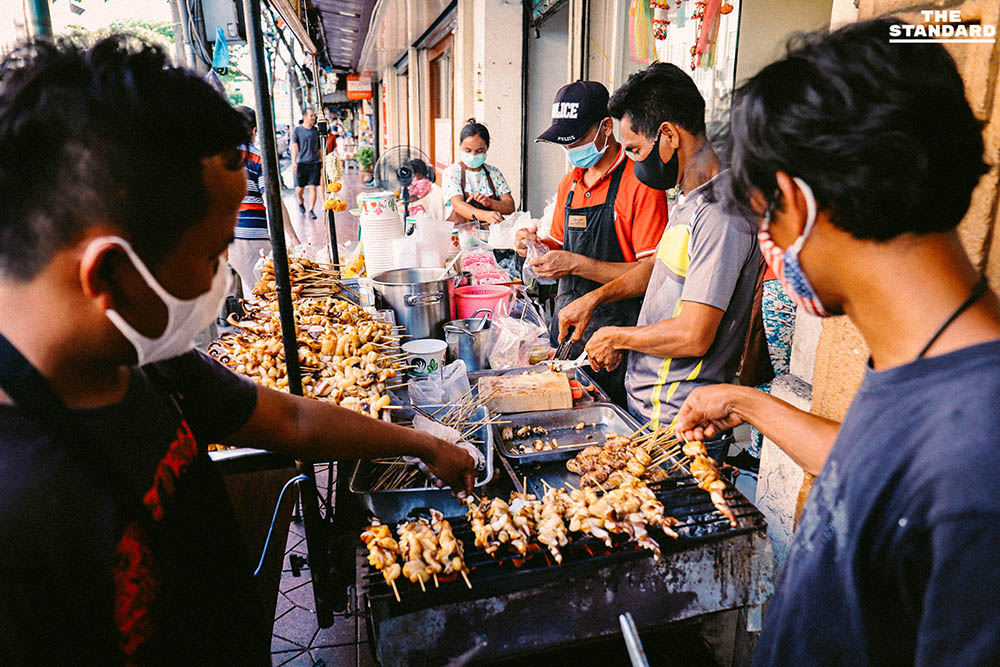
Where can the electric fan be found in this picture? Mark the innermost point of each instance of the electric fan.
(397, 169)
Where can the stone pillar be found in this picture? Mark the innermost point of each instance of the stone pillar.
(497, 83)
(781, 479)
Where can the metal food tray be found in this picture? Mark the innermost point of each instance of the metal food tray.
(578, 374)
(605, 417)
(392, 506)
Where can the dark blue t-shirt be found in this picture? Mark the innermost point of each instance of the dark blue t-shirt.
(897, 556)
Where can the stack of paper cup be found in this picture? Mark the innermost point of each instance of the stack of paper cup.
(380, 224)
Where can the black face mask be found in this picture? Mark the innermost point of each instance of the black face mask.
(654, 173)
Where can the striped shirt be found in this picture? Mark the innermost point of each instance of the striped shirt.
(251, 223)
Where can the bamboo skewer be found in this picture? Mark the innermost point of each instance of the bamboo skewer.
(395, 591)
(466, 577)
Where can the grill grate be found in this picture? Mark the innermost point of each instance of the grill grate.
(506, 571)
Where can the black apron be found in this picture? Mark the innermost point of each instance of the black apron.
(590, 231)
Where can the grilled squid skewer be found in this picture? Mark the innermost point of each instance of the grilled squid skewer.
(382, 552)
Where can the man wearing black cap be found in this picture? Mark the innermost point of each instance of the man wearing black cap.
(605, 219)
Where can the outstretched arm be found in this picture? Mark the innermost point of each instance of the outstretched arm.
(805, 437)
(315, 431)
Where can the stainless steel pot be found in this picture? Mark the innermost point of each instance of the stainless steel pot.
(467, 340)
(420, 298)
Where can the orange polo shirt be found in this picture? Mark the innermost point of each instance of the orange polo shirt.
(640, 212)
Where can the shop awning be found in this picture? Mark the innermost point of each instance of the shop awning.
(344, 27)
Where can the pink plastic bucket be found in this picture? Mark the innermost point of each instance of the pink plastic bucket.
(471, 298)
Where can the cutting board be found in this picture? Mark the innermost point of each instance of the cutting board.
(528, 392)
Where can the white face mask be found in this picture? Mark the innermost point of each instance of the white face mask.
(186, 318)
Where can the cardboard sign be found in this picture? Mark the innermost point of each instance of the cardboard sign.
(577, 222)
(359, 87)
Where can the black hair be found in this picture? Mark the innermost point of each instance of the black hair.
(419, 168)
(103, 134)
(660, 93)
(474, 129)
(881, 132)
(250, 116)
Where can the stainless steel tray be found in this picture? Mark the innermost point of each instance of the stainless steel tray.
(391, 506)
(579, 374)
(599, 420)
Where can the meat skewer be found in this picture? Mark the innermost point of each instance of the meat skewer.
(382, 552)
(411, 550)
(449, 549)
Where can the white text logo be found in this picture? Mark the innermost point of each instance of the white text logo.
(565, 110)
(942, 26)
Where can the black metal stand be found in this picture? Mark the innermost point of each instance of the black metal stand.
(331, 220)
(317, 540)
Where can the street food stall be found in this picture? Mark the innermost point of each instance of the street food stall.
(580, 513)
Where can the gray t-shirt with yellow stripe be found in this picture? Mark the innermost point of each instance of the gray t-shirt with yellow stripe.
(708, 254)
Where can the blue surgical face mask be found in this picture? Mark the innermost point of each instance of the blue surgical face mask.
(473, 160)
(586, 156)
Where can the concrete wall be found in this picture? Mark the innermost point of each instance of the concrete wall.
(765, 26)
(496, 52)
(547, 56)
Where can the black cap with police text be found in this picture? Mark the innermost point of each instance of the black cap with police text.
(577, 108)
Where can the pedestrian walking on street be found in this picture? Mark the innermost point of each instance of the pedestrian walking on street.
(306, 161)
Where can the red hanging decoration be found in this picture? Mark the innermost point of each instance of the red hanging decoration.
(660, 20)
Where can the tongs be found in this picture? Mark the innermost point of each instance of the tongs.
(562, 365)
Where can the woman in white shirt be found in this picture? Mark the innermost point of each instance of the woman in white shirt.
(475, 190)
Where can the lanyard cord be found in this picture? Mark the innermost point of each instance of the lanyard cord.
(977, 292)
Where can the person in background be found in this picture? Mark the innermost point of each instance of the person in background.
(331, 137)
(605, 219)
(860, 158)
(425, 195)
(474, 190)
(306, 161)
(700, 289)
(251, 239)
(118, 542)
(778, 312)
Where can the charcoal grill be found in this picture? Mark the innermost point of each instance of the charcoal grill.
(519, 605)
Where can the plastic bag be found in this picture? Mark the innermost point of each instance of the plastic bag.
(452, 385)
(478, 260)
(502, 235)
(534, 249)
(544, 223)
(448, 434)
(514, 337)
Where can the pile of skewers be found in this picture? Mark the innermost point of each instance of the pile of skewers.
(642, 455)
(623, 458)
(309, 279)
(395, 473)
(346, 355)
(626, 510)
(427, 548)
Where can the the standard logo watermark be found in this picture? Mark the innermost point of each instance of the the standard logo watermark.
(942, 26)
